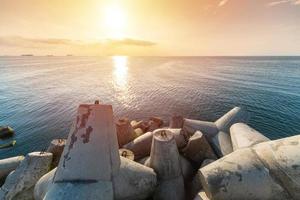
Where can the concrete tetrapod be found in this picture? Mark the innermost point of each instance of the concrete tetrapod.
(19, 184)
(217, 132)
(186, 167)
(9, 164)
(269, 170)
(91, 168)
(198, 149)
(141, 146)
(243, 136)
(56, 147)
(164, 159)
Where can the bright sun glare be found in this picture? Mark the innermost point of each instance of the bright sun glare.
(115, 20)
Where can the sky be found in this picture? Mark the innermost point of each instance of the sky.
(150, 27)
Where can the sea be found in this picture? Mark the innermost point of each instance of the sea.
(39, 96)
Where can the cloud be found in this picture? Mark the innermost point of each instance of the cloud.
(22, 41)
(278, 2)
(58, 46)
(130, 42)
(222, 3)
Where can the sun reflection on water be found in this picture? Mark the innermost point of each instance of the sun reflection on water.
(120, 72)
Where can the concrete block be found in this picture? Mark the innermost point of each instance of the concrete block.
(198, 149)
(43, 185)
(141, 146)
(176, 121)
(93, 133)
(165, 161)
(268, 170)
(56, 147)
(235, 115)
(221, 144)
(30, 170)
(125, 132)
(126, 154)
(134, 181)
(7, 165)
(209, 129)
(243, 136)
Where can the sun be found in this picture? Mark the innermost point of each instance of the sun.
(115, 20)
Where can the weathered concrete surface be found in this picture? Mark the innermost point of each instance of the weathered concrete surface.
(134, 181)
(206, 162)
(141, 146)
(201, 196)
(126, 154)
(43, 185)
(282, 158)
(81, 176)
(93, 133)
(243, 136)
(125, 132)
(194, 187)
(19, 183)
(198, 149)
(137, 132)
(56, 147)
(265, 171)
(165, 161)
(176, 121)
(209, 129)
(221, 144)
(186, 167)
(7, 165)
(77, 190)
(235, 115)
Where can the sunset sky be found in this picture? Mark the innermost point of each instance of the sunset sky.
(150, 27)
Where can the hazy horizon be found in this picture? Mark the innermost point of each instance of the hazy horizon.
(150, 28)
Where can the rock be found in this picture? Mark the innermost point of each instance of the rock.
(92, 144)
(198, 149)
(243, 136)
(6, 131)
(221, 144)
(7, 165)
(20, 182)
(274, 165)
(125, 132)
(126, 153)
(56, 147)
(164, 159)
(235, 115)
(141, 146)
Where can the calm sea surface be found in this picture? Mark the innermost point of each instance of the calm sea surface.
(39, 95)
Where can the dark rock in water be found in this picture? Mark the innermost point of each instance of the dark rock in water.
(6, 131)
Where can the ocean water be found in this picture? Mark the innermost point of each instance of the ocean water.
(39, 95)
